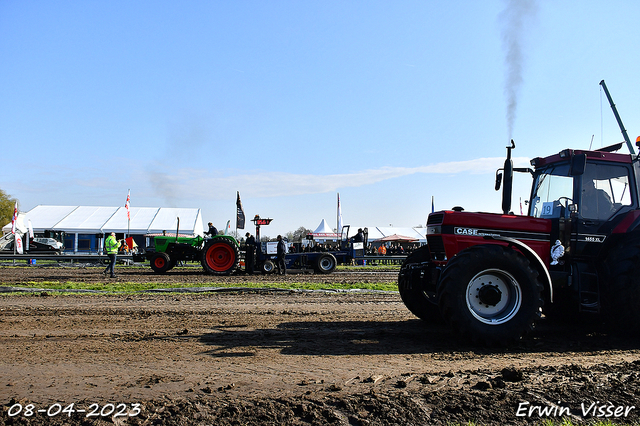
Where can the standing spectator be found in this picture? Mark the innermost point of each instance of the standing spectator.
(250, 249)
(112, 246)
(382, 250)
(281, 250)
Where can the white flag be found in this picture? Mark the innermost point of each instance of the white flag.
(339, 230)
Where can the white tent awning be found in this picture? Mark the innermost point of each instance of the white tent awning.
(100, 219)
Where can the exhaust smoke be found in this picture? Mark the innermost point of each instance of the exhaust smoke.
(515, 18)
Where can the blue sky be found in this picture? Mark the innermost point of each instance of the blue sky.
(291, 102)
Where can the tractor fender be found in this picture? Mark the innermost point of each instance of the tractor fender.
(532, 256)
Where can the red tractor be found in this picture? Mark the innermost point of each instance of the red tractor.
(492, 276)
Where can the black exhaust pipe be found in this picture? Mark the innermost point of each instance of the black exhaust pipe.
(508, 180)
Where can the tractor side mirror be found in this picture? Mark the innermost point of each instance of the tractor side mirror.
(578, 164)
(498, 179)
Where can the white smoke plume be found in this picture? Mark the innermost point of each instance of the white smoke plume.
(515, 20)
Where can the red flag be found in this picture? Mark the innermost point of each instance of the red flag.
(15, 218)
(126, 205)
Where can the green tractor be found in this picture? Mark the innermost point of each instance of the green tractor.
(218, 255)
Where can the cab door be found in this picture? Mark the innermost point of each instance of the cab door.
(604, 193)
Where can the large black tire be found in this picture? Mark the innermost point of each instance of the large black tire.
(268, 267)
(160, 263)
(621, 293)
(412, 292)
(490, 294)
(220, 256)
(325, 264)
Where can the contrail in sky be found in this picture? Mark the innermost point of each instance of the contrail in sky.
(192, 183)
(514, 19)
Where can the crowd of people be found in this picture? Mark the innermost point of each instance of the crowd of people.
(372, 249)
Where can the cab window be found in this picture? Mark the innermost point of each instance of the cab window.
(553, 189)
(605, 190)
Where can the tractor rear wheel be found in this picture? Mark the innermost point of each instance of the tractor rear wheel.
(621, 297)
(411, 289)
(220, 256)
(326, 264)
(161, 263)
(490, 294)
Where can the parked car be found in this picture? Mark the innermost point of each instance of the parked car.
(36, 245)
(45, 245)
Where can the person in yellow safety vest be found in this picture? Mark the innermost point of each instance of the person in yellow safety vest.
(112, 246)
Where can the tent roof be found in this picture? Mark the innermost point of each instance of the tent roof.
(20, 227)
(417, 233)
(100, 219)
(324, 232)
(376, 233)
(323, 228)
(396, 237)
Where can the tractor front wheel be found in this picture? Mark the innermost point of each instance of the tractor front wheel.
(220, 256)
(490, 294)
(161, 263)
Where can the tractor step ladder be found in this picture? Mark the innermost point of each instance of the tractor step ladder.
(589, 292)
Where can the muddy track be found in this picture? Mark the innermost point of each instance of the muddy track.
(265, 357)
(192, 275)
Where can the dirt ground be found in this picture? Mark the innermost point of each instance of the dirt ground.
(285, 358)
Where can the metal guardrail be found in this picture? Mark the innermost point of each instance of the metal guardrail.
(370, 260)
(382, 260)
(63, 257)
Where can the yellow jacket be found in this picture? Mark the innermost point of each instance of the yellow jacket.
(112, 245)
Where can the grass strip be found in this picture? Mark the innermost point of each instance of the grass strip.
(133, 287)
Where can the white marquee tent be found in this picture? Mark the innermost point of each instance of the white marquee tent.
(324, 232)
(94, 220)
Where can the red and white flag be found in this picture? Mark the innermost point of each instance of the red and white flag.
(126, 205)
(521, 214)
(15, 218)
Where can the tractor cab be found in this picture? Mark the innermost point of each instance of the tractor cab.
(585, 194)
(353, 246)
